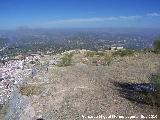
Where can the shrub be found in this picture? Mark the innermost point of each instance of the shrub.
(123, 53)
(155, 79)
(93, 53)
(157, 45)
(108, 58)
(66, 60)
(100, 53)
(90, 54)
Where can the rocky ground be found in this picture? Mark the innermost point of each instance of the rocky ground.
(83, 91)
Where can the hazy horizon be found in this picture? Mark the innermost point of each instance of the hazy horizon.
(78, 28)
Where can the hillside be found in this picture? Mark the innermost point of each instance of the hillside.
(85, 89)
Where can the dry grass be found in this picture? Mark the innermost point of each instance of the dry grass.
(29, 90)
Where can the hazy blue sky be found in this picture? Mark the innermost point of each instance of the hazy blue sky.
(79, 13)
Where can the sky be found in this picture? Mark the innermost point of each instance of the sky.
(79, 13)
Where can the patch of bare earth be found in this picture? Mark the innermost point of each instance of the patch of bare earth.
(70, 93)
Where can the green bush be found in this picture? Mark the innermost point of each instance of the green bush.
(66, 60)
